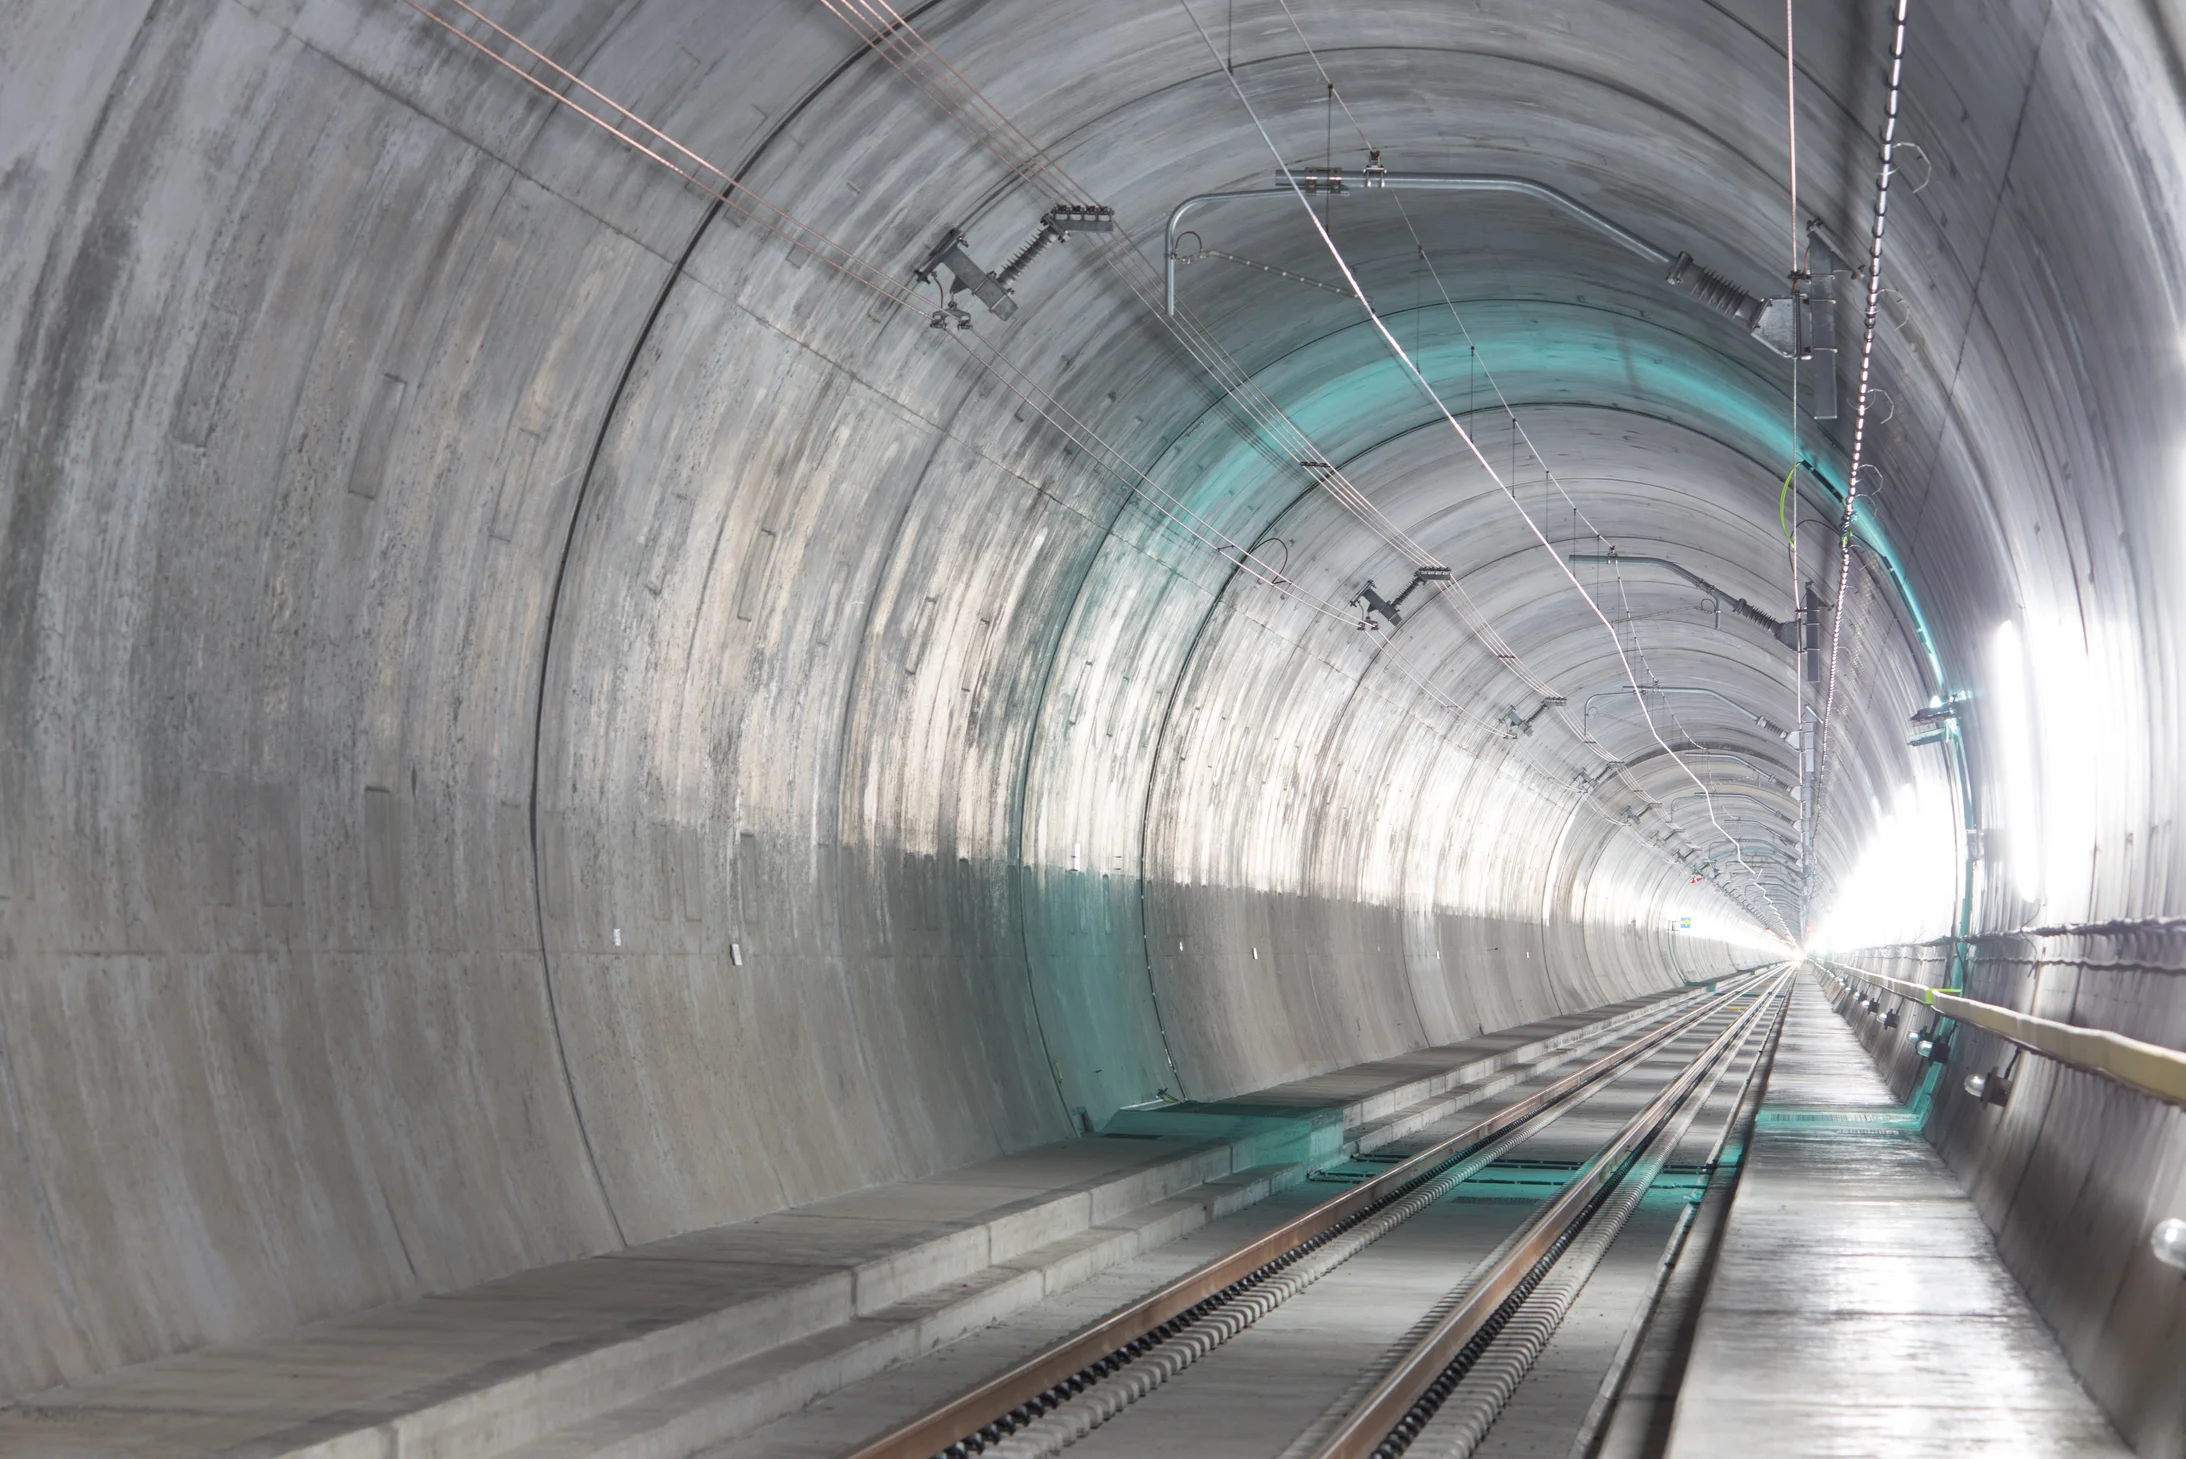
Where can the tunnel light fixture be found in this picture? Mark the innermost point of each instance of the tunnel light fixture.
(2168, 1243)
(1990, 1088)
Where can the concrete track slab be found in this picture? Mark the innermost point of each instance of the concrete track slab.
(665, 1347)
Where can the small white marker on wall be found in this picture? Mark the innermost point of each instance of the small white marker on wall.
(1256, 954)
(736, 954)
(618, 937)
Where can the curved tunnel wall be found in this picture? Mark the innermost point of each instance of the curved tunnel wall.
(537, 716)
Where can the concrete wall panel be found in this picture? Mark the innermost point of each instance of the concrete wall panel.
(535, 714)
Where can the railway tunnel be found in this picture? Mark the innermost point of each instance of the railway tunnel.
(801, 728)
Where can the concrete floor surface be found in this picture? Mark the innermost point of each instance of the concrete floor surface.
(1858, 1305)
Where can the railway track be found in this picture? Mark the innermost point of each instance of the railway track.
(1484, 1236)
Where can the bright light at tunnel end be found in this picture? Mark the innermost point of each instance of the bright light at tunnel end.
(1904, 883)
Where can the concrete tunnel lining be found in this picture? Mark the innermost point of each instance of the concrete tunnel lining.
(456, 585)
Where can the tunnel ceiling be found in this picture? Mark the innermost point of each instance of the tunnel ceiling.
(489, 627)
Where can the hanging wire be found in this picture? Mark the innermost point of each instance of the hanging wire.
(1420, 380)
(896, 41)
(715, 182)
(653, 143)
(995, 132)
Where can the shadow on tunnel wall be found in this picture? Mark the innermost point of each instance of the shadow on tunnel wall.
(533, 717)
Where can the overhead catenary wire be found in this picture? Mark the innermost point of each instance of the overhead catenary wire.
(715, 182)
(1476, 361)
(1420, 380)
(892, 37)
(656, 145)
(1578, 515)
(1518, 432)
(889, 35)
(897, 41)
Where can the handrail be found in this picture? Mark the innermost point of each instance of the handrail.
(2145, 1068)
(1918, 992)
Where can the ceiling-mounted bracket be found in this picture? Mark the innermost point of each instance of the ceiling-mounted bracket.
(1786, 634)
(1056, 225)
(965, 277)
(1393, 608)
(1523, 723)
(993, 290)
(1933, 722)
(1803, 324)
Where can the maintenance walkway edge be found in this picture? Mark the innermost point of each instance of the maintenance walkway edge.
(655, 1351)
(1857, 1299)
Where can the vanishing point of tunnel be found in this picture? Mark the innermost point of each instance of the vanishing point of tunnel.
(782, 729)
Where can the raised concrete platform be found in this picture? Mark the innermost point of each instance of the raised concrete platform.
(1858, 1306)
(661, 1350)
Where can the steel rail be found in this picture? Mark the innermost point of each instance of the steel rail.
(1024, 1386)
(1593, 1429)
(1401, 1405)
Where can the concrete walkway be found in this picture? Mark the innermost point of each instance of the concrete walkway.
(1858, 1307)
(662, 1349)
